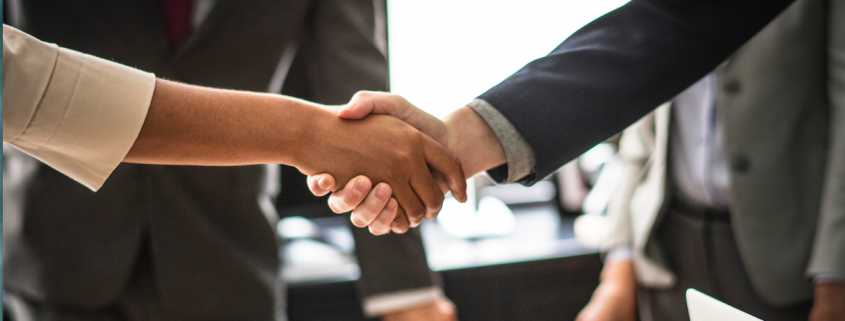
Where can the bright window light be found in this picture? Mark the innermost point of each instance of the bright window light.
(444, 53)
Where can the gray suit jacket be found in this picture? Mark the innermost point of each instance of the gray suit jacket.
(782, 101)
(207, 231)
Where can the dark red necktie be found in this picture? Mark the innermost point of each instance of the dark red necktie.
(177, 16)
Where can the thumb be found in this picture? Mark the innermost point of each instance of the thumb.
(321, 184)
(371, 102)
(361, 105)
(356, 109)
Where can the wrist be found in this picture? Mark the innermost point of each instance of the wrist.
(619, 274)
(473, 142)
(833, 290)
(313, 127)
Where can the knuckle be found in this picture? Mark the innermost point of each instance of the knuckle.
(365, 214)
(404, 156)
(392, 177)
(363, 94)
(400, 229)
(436, 203)
(417, 211)
(455, 165)
(357, 220)
(334, 207)
(399, 220)
(350, 199)
(375, 231)
(380, 230)
(414, 223)
(432, 213)
(418, 219)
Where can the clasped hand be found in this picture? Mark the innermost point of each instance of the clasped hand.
(412, 167)
(401, 173)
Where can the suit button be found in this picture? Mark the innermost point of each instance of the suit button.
(732, 86)
(740, 164)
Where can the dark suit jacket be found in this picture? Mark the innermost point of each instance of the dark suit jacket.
(618, 68)
(209, 240)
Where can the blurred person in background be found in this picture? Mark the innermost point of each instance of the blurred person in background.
(737, 186)
(160, 242)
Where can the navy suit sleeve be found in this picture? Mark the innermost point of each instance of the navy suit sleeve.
(618, 68)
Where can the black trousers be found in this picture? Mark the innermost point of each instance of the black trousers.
(700, 248)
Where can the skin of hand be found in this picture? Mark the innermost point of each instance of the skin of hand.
(354, 193)
(615, 297)
(192, 125)
(828, 302)
(463, 132)
(440, 310)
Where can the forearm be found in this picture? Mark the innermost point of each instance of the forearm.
(828, 302)
(615, 297)
(201, 126)
(619, 275)
(191, 125)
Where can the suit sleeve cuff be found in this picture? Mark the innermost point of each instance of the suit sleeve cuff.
(519, 154)
(381, 304)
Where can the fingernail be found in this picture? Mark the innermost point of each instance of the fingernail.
(345, 110)
(323, 182)
(358, 189)
(382, 192)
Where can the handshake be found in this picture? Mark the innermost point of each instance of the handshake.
(381, 157)
(396, 162)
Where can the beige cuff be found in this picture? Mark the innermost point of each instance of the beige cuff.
(77, 113)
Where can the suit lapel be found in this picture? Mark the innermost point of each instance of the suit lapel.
(291, 14)
(218, 11)
(158, 30)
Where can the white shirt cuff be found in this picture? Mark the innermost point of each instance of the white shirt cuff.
(618, 254)
(828, 278)
(385, 303)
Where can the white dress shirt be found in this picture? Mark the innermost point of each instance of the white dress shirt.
(77, 113)
(699, 167)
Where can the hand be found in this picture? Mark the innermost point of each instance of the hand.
(464, 133)
(345, 200)
(615, 297)
(365, 103)
(385, 149)
(829, 302)
(440, 310)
